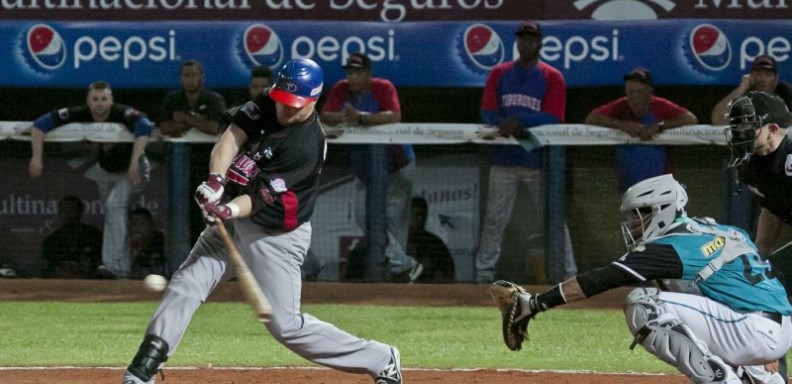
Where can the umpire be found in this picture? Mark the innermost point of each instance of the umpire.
(762, 155)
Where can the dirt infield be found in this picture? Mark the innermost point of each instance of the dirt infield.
(347, 293)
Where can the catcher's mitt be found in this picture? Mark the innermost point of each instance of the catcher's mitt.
(505, 295)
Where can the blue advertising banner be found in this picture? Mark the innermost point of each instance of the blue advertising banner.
(445, 54)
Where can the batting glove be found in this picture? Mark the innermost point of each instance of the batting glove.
(212, 212)
(211, 190)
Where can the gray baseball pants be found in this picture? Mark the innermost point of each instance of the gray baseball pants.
(504, 184)
(397, 215)
(275, 259)
(117, 194)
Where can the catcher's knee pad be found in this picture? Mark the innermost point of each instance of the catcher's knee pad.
(153, 352)
(641, 308)
(661, 334)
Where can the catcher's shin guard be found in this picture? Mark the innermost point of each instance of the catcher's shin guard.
(661, 334)
(153, 352)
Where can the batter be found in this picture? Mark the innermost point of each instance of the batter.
(264, 174)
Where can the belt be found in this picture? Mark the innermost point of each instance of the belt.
(773, 316)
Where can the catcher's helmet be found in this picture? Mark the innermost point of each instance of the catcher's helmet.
(650, 207)
(749, 113)
(299, 83)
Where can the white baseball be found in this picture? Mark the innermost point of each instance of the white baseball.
(154, 283)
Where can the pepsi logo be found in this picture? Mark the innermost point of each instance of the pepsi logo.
(481, 48)
(45, 49)
(710, 48)
(261, 46)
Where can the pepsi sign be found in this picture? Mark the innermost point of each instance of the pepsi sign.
(45, 51)
(481, 48)
(710, 48)
(447, 54)
(44, 48)
(261, 46)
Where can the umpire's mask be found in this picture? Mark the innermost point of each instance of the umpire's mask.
(749, 113)
(743, 123)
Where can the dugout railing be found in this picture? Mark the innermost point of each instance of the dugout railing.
(557, 139)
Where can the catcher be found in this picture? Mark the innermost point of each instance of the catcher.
(742, 319)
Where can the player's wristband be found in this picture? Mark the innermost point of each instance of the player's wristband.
(217, 178)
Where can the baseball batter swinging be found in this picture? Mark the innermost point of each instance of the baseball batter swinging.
(742, 319)
(264, 174)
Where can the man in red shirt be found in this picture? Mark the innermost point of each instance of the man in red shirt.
(643, 115)
(363, 100)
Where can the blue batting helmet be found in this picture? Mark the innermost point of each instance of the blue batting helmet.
(299, 83)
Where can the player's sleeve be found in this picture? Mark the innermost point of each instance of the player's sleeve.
(667, 109)
(167, 107)
(45, 122)
(554, 101)
(653, 262)
(63, 116)
(215, 107)
(386, 96)
(140, 123)
(604, 278)
(489, 101)
(613, 108)
(336, 97)
(142, 127)
(256, 117)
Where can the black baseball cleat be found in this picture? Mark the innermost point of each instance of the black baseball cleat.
(391, 374)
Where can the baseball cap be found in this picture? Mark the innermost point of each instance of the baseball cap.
(299, 83)
(764, 62)
(639, 74)
(529, 27)
(358, 61)
(770, 109)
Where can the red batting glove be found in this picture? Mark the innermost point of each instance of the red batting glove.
(212, 212)
(211, 190)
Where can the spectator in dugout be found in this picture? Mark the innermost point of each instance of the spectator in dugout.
(192, 106)
(260, 79)
(148, 245)
(763, 77)
(428, 248)
(364, 101)
(74, 249)
(122, 170)
(643, 115)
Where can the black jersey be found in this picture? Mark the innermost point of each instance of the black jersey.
(114, 158)
(770, 178)
(278, 166)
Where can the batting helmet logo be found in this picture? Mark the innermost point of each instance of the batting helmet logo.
(290, 87)
(43, 49)
(481, 48)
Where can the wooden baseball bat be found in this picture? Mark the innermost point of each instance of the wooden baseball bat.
(251, 289)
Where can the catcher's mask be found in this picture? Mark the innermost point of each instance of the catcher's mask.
(746, 115)
(650, 207)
